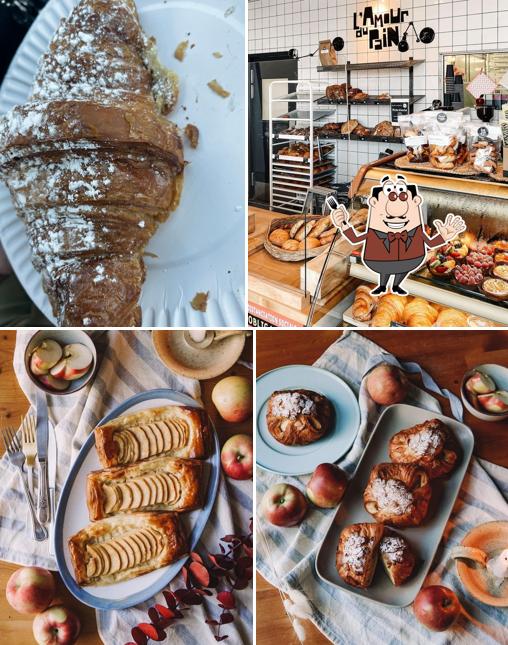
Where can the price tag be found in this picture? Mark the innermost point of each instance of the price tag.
(399, 107)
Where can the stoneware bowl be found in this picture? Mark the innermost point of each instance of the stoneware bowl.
(176, 354)
(64, 337)
(499, 374)
(491, 537)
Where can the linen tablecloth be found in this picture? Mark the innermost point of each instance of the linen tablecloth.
(286, 557)
(127, 365)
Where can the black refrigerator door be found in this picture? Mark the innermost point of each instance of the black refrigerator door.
(262, 69)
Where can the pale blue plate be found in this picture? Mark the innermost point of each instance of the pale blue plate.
(300, 460)
(72, 514)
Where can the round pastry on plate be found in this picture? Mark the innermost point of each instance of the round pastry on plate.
(429, 445)
(298, 417)
(398, 494)
(397, 556)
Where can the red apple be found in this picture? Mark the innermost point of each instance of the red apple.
(386, 384)
(56, 626)
(45, 356)
(327, 485)
(30, 590)
(76, 361)
(283, 505)
(53, 383)
(495, 402)
(237, 457)
(436, 607)
(232, 396)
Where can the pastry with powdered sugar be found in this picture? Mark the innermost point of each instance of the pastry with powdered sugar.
(298, 417)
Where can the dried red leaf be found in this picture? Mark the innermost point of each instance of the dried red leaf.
(221, 638)
(139, 637)
(180, 594)
(152, 632)
(165, 612)
(185, 576)
(230, 538)
(226, 617)
(196, 557)
(241, 583)
(130, 643)
(224, 562)
(200, 573)
(170, 599)
(248, 550)
(192, 598)
(227, 599)
(153, 615)
(210, 621)
(223, 550)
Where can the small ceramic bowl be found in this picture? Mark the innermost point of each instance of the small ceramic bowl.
(499, 375)
(492, 538)
(63, 337)
(176, 354)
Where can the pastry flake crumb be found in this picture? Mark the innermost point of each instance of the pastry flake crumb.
(216, 87)
(181, 50)
(200, 301)
(217, 55)
(192, 133)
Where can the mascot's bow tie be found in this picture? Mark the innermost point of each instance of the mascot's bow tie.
(397, 236)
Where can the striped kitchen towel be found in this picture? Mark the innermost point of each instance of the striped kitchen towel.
(127, 365)
(285, 557)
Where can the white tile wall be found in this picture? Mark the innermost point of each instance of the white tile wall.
(461, 25)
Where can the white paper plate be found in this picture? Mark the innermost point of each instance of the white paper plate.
(201, 247)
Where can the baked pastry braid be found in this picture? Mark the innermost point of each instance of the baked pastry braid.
(92, 166)
(398, 494)
(126, 546)
(158, 484)
(298, 417)
(397, 556)
(429, 445)
(357, 553)
(173, 430)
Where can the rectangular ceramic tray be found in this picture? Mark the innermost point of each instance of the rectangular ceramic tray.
(424, 539)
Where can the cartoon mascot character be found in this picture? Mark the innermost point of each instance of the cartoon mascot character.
(395, 238)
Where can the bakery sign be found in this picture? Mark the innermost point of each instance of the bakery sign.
(382, 28)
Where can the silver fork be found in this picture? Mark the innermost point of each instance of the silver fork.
(29, 449)
(17, 458)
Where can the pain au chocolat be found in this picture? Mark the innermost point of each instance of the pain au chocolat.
(430, 445)
(126, 546)
(158, 484)
(173, 430)
(298, 417)
(398, 494)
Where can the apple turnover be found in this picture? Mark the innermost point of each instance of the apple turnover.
(398, 494)
(158, 484)
(357, 553)
(173, 430)
(397, 556)
(298, 417)
(126, 546)
(429, 445)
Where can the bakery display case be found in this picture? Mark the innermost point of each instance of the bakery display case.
(470, 274)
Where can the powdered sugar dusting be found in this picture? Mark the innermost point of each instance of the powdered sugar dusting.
(425, 442)
(392, 496)
(393, 548)
(291, 405)
(356, 548)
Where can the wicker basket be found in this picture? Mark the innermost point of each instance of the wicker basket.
(291, 256)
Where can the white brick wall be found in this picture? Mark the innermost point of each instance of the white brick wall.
(461, 25)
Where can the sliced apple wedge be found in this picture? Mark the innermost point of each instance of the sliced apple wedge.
(53, 383)
(45, 356)
(75, 362)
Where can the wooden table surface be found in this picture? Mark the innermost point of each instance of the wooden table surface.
(14, 627)
(446, 355)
